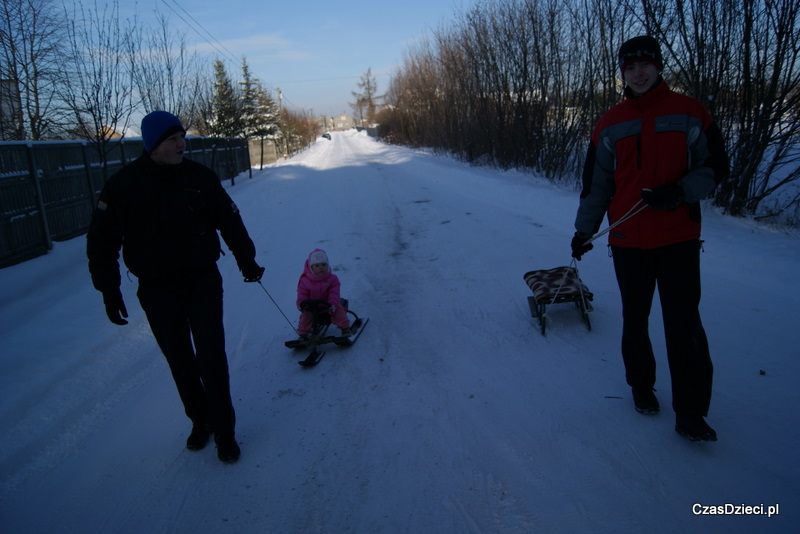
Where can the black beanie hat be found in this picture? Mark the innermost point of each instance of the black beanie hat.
(642, 48)
(157, 126)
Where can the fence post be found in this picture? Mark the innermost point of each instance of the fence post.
(34, 172)
(122, 157)
(244, 152)
(213, 154)
(88, 171)
(229, 158)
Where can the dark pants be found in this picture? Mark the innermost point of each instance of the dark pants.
(185, 315)
(675, 270)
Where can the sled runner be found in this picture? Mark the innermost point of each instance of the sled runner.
(555, 286)
(321, 321)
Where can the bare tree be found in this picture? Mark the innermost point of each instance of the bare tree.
(521, 82)
(30, 36)
(366, 101)
(166, 74)
(765, 156)
(500, 87)
(743, 60)
(203, 119)
(297, 129)
(97, 79)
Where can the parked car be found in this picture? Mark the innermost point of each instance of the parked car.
(327, 136)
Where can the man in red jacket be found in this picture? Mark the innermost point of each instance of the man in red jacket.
(663, 149)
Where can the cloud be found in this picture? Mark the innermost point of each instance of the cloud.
(257, 48)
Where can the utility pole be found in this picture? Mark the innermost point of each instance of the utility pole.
(280, 114)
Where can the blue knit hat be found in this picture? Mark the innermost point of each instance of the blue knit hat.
(157, 126)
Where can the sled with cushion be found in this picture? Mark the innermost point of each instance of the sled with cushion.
(557, 286)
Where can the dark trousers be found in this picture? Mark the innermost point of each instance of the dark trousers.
(185, 315)
(675, 270)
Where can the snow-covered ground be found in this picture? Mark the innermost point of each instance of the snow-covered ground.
(452, 413)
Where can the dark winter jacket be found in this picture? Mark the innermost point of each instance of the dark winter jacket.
(165, 219)
(661, 137)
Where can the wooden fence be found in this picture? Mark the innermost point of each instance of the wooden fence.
(48, 189)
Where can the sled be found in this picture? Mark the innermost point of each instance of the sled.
(321, 322)
(556, 286)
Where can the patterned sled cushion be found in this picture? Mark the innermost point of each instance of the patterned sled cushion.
(545, 283)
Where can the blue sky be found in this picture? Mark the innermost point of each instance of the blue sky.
(314, 51)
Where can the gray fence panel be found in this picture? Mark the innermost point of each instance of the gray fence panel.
(68, 201)
(262, 152)
(48, 189)
(22, 235)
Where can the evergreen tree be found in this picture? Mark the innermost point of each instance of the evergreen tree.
(249, 101)
(259, 111)
(226, 105)
(268, 124)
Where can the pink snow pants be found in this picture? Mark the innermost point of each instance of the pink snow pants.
(339, 319)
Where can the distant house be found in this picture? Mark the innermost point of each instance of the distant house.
(340, 122)
(344, 122)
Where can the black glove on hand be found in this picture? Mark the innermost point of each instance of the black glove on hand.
(663, 197)
(578, 246)
(115, 307)
(252, 272)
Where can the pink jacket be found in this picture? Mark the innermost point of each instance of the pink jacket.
(318, 286)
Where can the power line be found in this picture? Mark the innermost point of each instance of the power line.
(213, 40)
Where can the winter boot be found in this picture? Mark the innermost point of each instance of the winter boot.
(227, 449)
(645, 401)
(199, 437)
(695, 428)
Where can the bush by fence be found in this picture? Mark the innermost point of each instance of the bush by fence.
(48, 189)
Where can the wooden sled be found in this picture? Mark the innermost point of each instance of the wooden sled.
(554, 286)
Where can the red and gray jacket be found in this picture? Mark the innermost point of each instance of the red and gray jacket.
(659, 138)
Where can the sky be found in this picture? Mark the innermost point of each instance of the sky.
(314, 51)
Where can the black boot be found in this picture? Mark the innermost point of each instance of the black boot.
(199, 436)
(645, 401)
(695, 428)
(227, 449)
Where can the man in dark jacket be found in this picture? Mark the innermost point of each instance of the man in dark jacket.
(164, 212)
(660, 149)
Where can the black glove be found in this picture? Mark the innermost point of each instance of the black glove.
(663, 197)
(579, 248)
(252, 272)
(115, 307)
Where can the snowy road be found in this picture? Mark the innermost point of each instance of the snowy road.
(452, 414)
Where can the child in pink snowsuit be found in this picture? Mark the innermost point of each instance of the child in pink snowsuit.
(318, 283)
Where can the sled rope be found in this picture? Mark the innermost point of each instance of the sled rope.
(279, 308)
(573, 265)
(636, 208)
